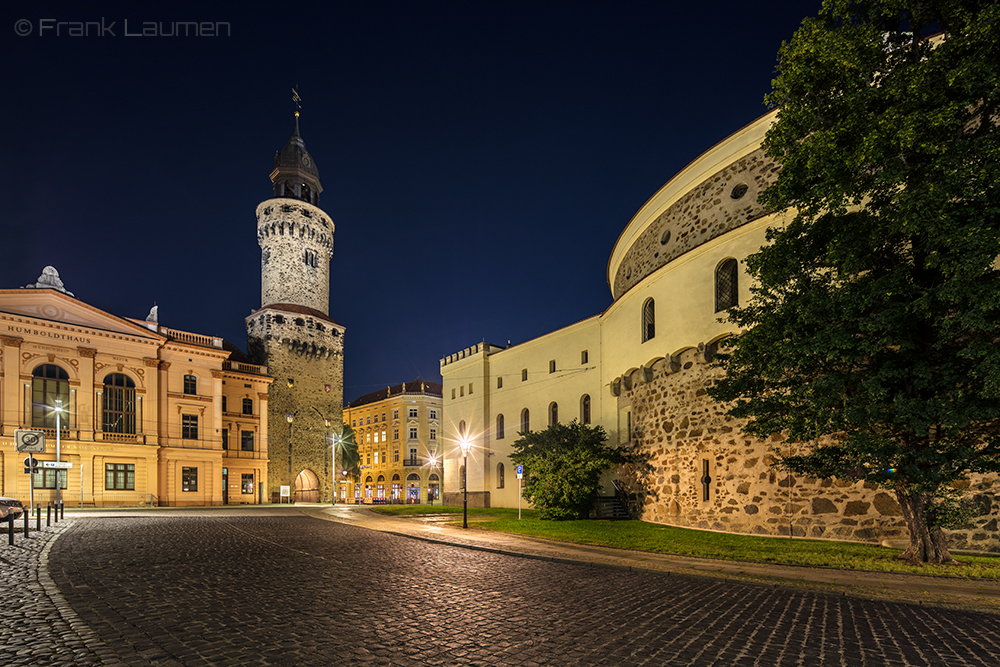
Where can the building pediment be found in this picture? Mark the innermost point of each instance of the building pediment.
(56, 307)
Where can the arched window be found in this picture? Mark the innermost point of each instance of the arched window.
(499, 475)
(648, 320)
(119, 404)
(49, 388)
(726, 295)
(525, 421)
(499, 427)
(553, 413)
(585, 409)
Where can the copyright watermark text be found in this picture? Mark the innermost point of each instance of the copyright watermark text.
(105, 28)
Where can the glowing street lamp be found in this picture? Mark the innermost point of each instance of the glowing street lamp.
(466, 446)
(433, 463)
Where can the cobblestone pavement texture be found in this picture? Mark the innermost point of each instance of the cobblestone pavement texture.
(283, 588)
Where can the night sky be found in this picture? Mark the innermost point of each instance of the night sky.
(479, 159)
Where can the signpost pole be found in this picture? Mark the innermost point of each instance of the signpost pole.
(31, 480)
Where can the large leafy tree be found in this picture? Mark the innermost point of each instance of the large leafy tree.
(872, 333)
(563, 467)
(350, 458)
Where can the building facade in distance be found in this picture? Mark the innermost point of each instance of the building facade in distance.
(398, 431)
(292, 332)
(149, 415)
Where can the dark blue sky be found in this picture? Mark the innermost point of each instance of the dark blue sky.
(479, 158)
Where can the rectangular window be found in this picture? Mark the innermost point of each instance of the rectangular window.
(369, 419)
(395, 414)
(383, 437)
(225, 438)
(352, 423)
(247, 406)
(552, 366)
(434, 414)
(45, 478)
(247, 486)
(395, 434)
(413, 413)
(584, 357)
(383, 416)
(500, 382)
(225, 408)
(189, 479)
(119, 477)
(470, 388)
(395, 455)
(376, 437)
(189, 427)
(190, 385)
(453, 394)
(376, 458)
(368, 459)
(246, 441)
(413, 433)
(461, 390)
(434, 434)
(524, 375)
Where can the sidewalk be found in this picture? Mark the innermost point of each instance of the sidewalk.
(978, 594)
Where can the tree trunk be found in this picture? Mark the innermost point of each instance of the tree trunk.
(926, 546)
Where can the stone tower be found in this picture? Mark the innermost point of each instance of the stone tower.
(292, 333)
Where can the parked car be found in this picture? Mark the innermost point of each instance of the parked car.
(10, 509)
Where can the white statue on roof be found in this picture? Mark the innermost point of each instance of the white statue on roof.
(49, 280)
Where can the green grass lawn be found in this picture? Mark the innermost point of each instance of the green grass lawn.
(641, 536)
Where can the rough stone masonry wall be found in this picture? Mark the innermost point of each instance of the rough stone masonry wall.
(724, 201)
(291, 352)
(676, 421)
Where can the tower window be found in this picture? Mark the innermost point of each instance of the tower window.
(648, 320)
(310, 258)
(725, 285)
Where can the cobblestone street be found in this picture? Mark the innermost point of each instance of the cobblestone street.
(280, 588)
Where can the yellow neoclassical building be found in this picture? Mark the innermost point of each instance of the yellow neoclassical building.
(398, 431)
(148, 414)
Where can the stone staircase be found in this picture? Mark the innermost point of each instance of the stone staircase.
(609, 507)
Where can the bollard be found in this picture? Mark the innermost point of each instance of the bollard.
(55, 506)
(38, 516)
(48, 514)
(25, 523)
(10, 530)
(62, 509)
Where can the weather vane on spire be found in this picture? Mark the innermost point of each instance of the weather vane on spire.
(297, 100)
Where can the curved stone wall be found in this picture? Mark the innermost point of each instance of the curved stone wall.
(296, 241)
(720, 203)
(687, 433)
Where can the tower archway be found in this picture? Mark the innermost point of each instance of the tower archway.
(306, 487)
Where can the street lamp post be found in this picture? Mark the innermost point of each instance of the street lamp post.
(58, 410)
(465, 445)
(430, 493)
(290, 417)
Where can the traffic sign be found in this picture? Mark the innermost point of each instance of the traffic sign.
(30, 465)
(61, 465)
(520, 470)
(28, 440)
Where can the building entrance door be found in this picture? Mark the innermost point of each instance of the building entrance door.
(225, 486)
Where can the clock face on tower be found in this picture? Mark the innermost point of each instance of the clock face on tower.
(306, 161)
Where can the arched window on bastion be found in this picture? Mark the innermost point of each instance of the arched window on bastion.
(500, 427)
(525, 421)
(553, 413)
(726, 294)
(585, 409)
(648, 320)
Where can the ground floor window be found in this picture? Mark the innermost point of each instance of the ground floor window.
(119, 477)
(248, 483)
(189, 479)
(45, 478)
(397, 491)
